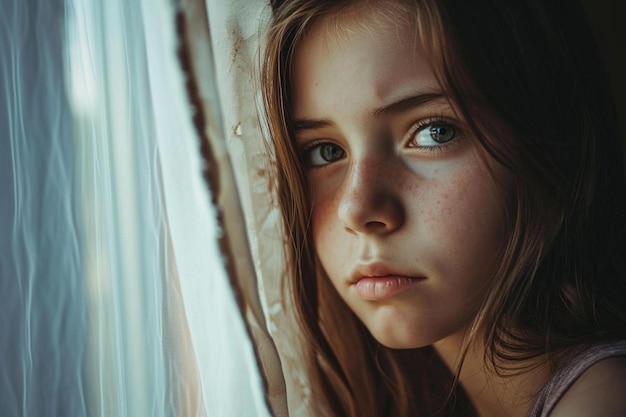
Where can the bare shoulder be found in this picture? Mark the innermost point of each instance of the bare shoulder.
(600, 392)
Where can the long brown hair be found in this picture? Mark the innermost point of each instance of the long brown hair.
(526, 70)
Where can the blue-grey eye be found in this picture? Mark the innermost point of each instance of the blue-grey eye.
(331, 152)
(442, 132)
(433, 134)
(323, 154)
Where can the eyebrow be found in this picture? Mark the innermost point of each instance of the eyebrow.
(311, 124)
(407, 103)
(399, 106)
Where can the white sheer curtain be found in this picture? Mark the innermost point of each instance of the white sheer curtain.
(115, 296)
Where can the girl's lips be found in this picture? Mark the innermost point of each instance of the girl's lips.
(384, 287)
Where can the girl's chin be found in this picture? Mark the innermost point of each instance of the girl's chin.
(396, 329)
(398, 339)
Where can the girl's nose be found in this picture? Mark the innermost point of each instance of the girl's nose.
(370, 202)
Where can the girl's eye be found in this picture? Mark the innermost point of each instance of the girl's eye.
(322, 154)
(432, 134)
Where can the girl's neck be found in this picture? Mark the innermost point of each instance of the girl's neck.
(493, 395)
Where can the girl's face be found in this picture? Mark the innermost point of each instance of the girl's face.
(406, 218)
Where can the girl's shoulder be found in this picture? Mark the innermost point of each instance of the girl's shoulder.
(592, 383)
(599, 391)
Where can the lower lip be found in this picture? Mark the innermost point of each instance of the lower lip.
(381, 288)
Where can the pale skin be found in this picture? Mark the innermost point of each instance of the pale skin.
(407, 217)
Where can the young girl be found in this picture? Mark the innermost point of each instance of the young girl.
(451, 179)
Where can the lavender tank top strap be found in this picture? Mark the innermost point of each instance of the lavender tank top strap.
(554, 389)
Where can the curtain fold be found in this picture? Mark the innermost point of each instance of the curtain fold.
(237, 37)
(201, 32)
(43, 325)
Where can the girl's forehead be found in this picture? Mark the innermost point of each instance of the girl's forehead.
(358, 69)
(384, 17)
(364, 28)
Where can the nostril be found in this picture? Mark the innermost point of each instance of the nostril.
(375, 225)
